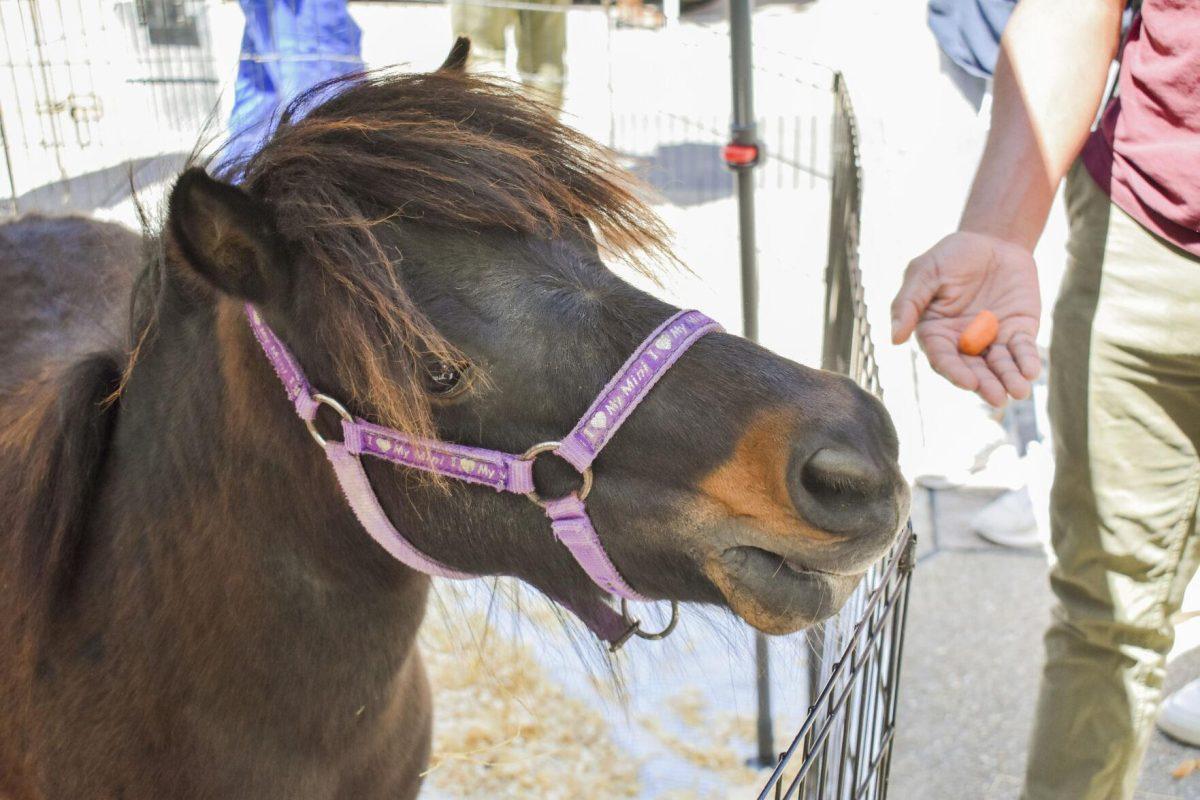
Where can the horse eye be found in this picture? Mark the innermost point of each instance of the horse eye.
(444, 378)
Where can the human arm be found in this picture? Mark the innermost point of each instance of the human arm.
(1053, 63)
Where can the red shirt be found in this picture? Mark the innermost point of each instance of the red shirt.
(1146, 150)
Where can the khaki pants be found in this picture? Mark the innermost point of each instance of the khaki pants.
(1125, 411)
(541, 38)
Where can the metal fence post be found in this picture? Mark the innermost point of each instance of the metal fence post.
(742, 154)
(8, 166)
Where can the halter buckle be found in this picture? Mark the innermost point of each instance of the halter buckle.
(549, 447)
(339, 409)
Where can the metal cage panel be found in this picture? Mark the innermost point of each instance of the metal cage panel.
(843, 749)
(78, 79)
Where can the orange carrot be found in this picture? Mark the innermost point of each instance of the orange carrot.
(980, 334)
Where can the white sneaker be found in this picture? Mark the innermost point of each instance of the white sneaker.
(1180, 715)
(1009, 521)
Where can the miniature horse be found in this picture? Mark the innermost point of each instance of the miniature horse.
(190, 609)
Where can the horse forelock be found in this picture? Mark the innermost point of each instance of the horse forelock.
(450, 149)
(464, 153)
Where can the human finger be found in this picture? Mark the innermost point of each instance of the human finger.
(945, 359)
(1000, 361)
(989, 386)
(1025, 353)
(916, 293)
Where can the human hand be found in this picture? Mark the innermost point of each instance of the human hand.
(947, 286)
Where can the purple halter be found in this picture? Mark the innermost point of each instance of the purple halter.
(503, 472)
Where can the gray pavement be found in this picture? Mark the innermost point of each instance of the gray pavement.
(972, 663)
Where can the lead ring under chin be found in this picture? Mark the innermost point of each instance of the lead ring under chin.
(635, 625)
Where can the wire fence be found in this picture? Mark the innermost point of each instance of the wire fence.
(843, 749)
(679, 154)
(80, 80)
(96, 94)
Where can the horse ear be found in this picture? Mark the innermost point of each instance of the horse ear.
(457, 60)
(227, 236)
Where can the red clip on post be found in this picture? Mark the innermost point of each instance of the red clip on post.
(741, 155)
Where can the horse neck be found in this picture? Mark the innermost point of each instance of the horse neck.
(241, 510)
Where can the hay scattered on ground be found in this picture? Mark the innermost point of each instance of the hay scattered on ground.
(503, 728)
(715, 742)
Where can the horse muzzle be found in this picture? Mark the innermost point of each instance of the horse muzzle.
(803, 507)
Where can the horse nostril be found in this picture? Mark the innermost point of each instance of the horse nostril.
(839, 474)
(842, 490)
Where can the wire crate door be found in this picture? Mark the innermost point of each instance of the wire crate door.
(92, 84)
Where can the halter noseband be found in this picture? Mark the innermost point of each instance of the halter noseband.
(503, 472)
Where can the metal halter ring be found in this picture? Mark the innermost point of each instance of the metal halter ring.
(635, 625)
(549, 447)
(311, 424)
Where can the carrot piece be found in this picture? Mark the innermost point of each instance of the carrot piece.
(980, 334)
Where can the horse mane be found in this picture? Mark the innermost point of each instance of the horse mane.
(62, 315)
(444, 149)
(55, 438)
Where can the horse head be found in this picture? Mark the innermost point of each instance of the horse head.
(432, 250)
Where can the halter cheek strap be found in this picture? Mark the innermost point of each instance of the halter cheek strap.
(503, 472)
(365, 505)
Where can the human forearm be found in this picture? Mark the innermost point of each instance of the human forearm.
(1053, 63)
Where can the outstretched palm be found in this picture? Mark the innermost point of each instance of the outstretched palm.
(945, 289)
